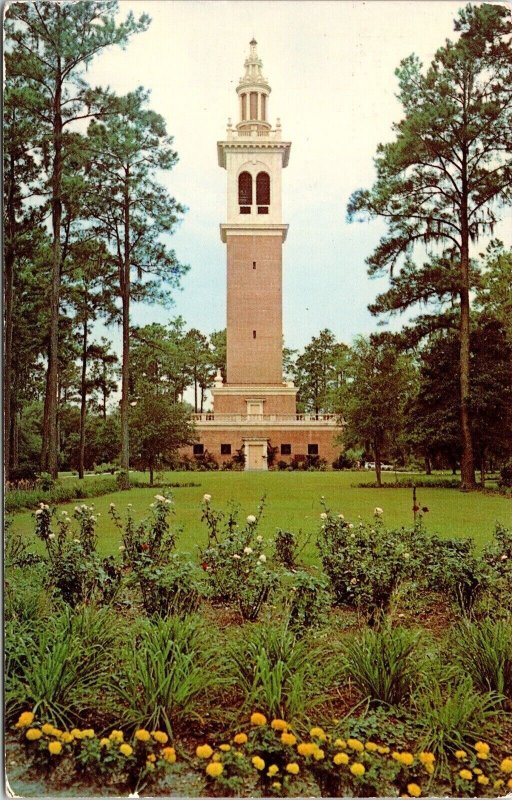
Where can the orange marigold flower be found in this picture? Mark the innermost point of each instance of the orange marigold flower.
(25, 719)
(258, 719)
(413, 789)
(169, 754)
(288, 738)
(240, 738)
(279, 725)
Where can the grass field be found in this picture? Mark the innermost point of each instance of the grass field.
(293, 503)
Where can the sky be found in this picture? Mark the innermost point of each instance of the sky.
(331, 68)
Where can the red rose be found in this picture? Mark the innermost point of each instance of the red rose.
(205, 566)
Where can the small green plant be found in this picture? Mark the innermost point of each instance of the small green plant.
(385, 664)
(483, 650)
(450, 714)
(278, 672)
(59, 668)
(167, 670)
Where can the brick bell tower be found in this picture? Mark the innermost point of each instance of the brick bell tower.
(254, 407)
(254, 156)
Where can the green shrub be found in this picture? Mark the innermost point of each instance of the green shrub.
(306, 600)
(498, 556)
(483, 650)
(62, 492)
(172, 589)
(451, 566)
(166, 671)
(234, 562)
(386, 664)
(278, 673)
(74, 569)
(365, 563)
(285, 548)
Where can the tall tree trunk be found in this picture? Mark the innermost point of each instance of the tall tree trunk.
(378, 471)
(428, 465)
(482, 469)
(195, 392)
(202, 398)
(151, 474)
(50, 443)
(83, 401)
(467, 468)
(8, 300)
(125, 377)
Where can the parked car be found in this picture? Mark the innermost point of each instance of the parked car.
(371, 465)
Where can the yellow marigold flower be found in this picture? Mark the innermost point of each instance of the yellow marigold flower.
(55, 748)
(77, 733)
(105, 742)
(216, 757)
(160, 737)
(477, 771)
(142, 735)
(357, 769)
(341, 743)
(509, 783)
(225, 748)
(279, 725)
(371, 747)
(460, 754)
(483, 779)
(258, 762)
(150, 766)
(306, 748)
(356, 745)
(482, 747)
(466, 774)
(33, 734)
(272, 770)
(240, 738)
(318, 733)
(292, 768)
(169, 754)
(204, 751)
(429, 768)
(48, 729)
(427, 758)
(88, 733)
(404, 758)
(276, 785)
(214, 769)
(498, 784)
(506, 765)
(413, 789)
(383, 750)
(126, 750)
(340, 758)
(288, 738)
(151, 757)
(25, 719)
(258, 719)
(115, 736)
(67, 737)
(319, 754)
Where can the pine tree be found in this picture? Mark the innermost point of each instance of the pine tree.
(440, 181)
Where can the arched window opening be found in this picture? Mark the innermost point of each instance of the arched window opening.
(254, 105)
(263, 192)
(245, 192)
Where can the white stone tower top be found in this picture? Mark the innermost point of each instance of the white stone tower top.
(253, 76)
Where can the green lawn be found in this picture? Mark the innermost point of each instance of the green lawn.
(293, 503)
